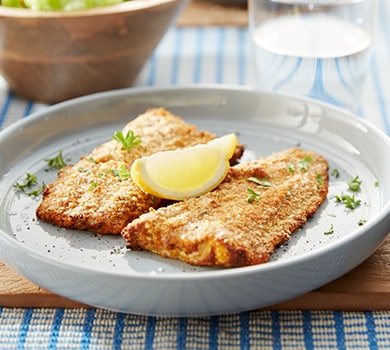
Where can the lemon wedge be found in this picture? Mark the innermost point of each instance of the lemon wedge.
(187, 172)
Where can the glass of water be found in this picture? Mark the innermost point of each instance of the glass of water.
(316, 48)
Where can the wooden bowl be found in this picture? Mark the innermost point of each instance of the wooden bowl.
(54, 56)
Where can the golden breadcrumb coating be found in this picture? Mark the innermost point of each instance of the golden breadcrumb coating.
(232, 226)
(90, 195)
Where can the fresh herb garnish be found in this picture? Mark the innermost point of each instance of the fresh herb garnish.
(354, 184)
(303, 163)
(350, 202)
(291, 167)
(37, 191)
(56, 162)
(253, 196)
(93, 186)
(82, 169)
(260, 182)
(122, 172)
(330, 231)
(320, 179)
(29, 181)
(376, 183)
(128, 141)
(361, 222)
(335, 172)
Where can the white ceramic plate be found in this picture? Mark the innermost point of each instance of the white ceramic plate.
(100, 271)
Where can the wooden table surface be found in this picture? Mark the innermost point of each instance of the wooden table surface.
(214, 13)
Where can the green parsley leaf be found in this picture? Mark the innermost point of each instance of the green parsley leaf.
(37, 192)
(303, 163)
(335, 172)
(122, 172)
(350, 202)
(128, 141)
(291, 167)
(361, 222)
(354, 184)
(330, 231)
(29, 181)
(376, 183)
(320, 179)
(93, 186)
(253, 196)
(56, 162)
(260, 182)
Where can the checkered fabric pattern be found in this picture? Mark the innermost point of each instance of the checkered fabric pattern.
(265, 329)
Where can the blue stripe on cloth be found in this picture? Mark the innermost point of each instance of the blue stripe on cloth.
(198, 54)
(307, 329)
(182, 333)
(371, 331)
(318, 89)
(385, 28)
(152, 69)
(244, 331)
(150, 332)
(28, 313)
(285, 80)
(275, 317)
(213, 332)
(242, 40)
(55, 328)
(384, 21)
(4, 110)
(381, 99)
(220, 55)
(176, 55)
(87, 328)
(118, 331)
(341, 76)
(27, 110)
(339, 328)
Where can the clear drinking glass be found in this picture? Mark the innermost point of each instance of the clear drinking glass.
(316, 48)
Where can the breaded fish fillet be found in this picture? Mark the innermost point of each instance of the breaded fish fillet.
(255, 209)
(97, 193)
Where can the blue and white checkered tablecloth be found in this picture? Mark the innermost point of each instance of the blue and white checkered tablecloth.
(205, 55)
(102, 329)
